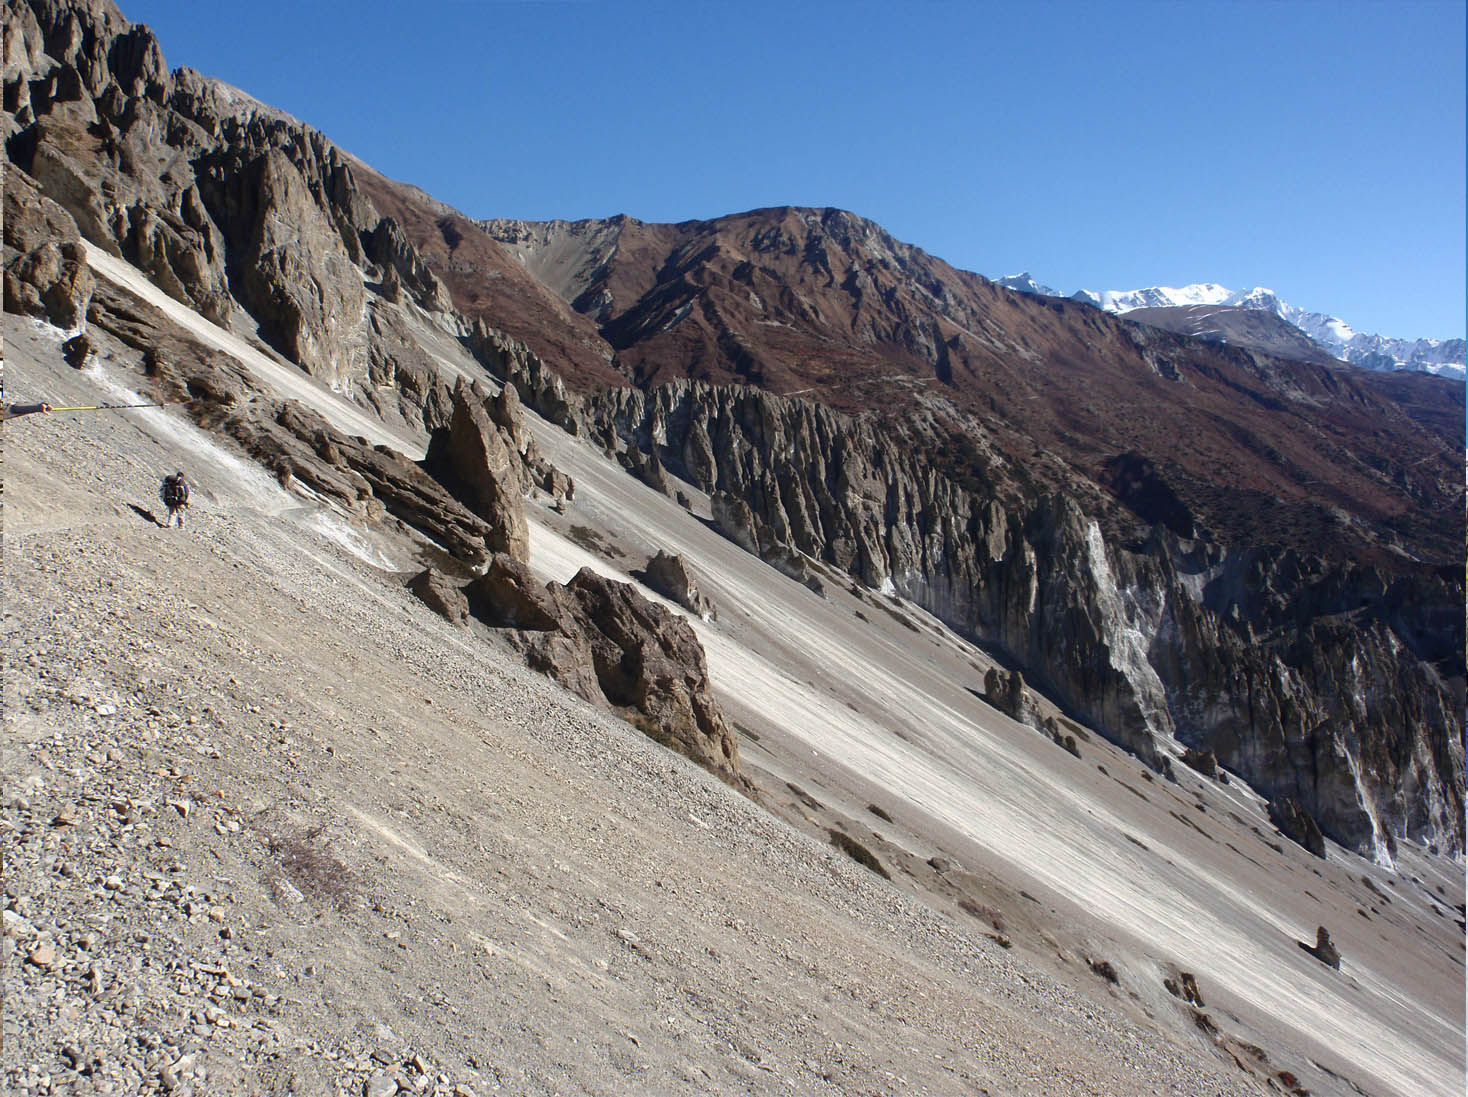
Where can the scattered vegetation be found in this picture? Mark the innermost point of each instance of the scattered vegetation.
(593, 542)
(1185, 987)
(311, 870)
(804, 797)
(901, 618)
(1075, 729)
(1135, 792)
(983, 913)
(1188, 822)
(1103, 969)
(1371, 886)
(857, 852)
(879, 813)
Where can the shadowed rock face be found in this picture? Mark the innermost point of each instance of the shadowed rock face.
(1338, 685)
(477, 460)
(46, 271)
(221, 201)
(671, 577)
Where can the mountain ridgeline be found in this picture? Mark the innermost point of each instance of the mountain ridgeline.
(1258, 557)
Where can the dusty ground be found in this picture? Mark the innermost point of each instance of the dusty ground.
(270, 819)
(419, 849)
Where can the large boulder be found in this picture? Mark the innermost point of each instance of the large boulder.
(1323, 949)
(670, 576)
(441, 595)
(648, 659)
(610, 645)
(472, 459)
(46, 271)
(507, 596)
(1007, 692)
(1296, 824)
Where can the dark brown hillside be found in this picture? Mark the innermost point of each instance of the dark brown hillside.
(486, 281)
(1252, 329)
(828, 305)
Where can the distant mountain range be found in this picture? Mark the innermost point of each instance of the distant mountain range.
(1337, 338)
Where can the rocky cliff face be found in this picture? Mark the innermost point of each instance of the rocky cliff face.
(1337, 686)
(229, 206)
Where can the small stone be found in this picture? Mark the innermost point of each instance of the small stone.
(66, 817)
(43, 956)
(380, 1085)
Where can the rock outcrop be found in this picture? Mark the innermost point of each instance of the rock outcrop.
(1006, 691)
(610, 645)
(1295, 823)
(368, 482)
(671, 577)
(507, 596)
(223, 202)
(476, 459)
(1338, 685)
(46, 270)
(1323, 950)
(441, 595)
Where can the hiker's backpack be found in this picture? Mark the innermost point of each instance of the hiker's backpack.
(175, 492)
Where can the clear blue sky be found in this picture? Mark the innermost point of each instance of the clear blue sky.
(1315, 148)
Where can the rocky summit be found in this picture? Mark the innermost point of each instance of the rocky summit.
(745, 655)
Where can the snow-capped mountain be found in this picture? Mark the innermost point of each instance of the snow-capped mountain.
(1440, 356)
(1025, 284)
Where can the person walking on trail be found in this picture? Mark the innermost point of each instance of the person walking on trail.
(175, 495)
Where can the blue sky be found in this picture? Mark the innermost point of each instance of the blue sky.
(1315, 148)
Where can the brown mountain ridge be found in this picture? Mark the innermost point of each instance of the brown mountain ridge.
(828, 305)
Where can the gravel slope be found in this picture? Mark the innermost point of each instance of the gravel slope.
(273, 826)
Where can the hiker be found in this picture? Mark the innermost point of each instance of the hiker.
(14, 411)
(175, 495)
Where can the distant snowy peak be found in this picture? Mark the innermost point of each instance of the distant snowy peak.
(1441, 356)
(1025, 284)
(1157, 297)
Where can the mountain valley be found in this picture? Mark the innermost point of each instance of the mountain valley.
(739, 656)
